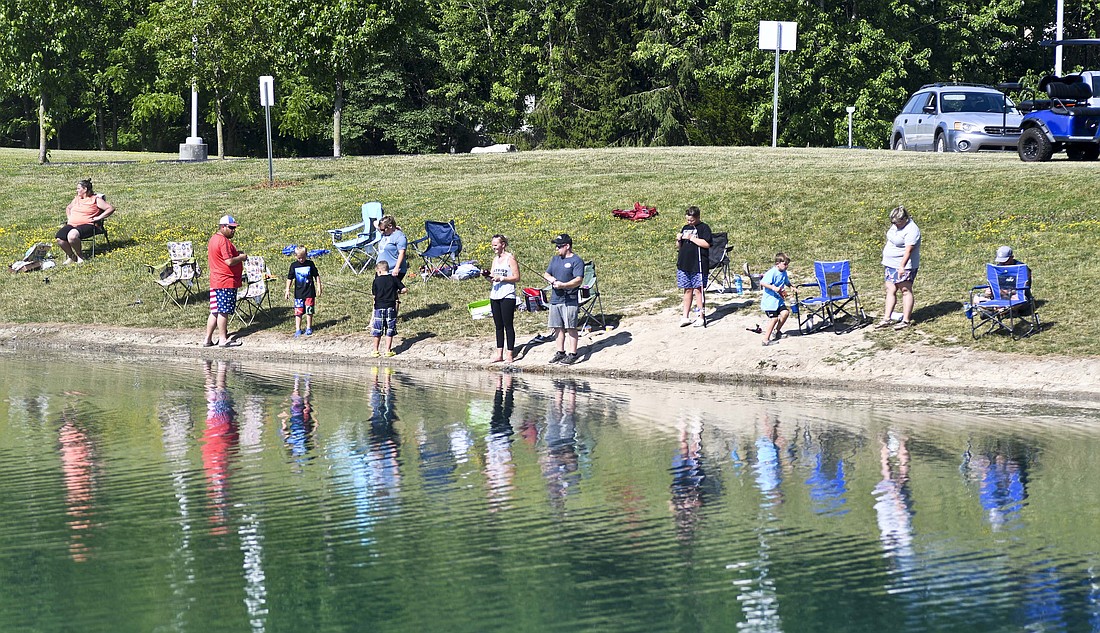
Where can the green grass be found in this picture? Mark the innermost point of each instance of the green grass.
(811, 203)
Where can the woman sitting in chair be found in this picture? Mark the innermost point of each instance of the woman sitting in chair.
(81, 216)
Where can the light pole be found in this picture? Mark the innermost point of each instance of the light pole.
(193, 148)
(1058, 36)
(851, 110)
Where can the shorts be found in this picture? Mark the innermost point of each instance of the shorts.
(690, 280)
(384, 322)
(776, 312)
(563, 316)
(223, 301)
(303, 306)
(85, 230)
(895, 276)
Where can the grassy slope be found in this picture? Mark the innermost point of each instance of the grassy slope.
(811, 203)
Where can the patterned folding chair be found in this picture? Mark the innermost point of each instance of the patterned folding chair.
(179, 276)
(253, 294)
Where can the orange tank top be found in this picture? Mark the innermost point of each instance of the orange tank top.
(83, 210)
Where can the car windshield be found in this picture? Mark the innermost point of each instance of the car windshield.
(976, 102)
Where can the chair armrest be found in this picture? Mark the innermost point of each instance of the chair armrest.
(813, 285)
(981, 287)
(353, 228)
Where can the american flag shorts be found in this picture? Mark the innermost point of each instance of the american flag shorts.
(223, 301)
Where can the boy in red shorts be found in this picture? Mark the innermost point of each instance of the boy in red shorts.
(307, 287)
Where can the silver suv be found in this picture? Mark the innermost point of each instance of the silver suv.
(957, 118)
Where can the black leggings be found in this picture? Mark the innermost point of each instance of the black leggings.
(504, 313)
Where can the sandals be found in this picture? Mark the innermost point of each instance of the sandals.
(883, 324)
(903, 325)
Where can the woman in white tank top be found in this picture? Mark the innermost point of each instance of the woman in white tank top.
(504, 273)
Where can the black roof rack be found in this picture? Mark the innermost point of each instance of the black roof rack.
(961, 84)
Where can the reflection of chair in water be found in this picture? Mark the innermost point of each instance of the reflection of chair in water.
(1004, 302)
(178, 276)
(251, 296)
(719, 262)
(837, 300)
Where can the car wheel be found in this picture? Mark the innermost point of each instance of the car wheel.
(941, 143)
(1034, 146)
(899, 143)
(1083, 151)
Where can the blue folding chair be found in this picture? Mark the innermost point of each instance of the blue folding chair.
(1004, 302)
(357, 243)
(837, 300)
(439, 248)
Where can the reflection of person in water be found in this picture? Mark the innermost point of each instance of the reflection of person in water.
(688, 477)
(298, 424)
(893, 505)
(218, 441)
(1002, 485)
(559, 462)
(768, 470)
(499, 468)
(383, 464)
(78, 472)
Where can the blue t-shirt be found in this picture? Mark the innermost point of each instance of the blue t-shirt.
(775, 277)
(565, 269)
(389, 247)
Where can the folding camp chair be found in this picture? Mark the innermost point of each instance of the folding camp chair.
(590, 316)
(178, 277)
(837, 300)
(720, 276)
(100, 229)
(439, 248)
(252, 295)
(357, 243)
(1004, 302)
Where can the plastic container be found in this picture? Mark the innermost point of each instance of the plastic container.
(738, 286)
(480, 309)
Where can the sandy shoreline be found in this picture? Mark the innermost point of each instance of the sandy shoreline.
(649, 346)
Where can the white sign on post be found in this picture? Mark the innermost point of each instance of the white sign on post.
(781, 35)
(267, 90)
(777, 36)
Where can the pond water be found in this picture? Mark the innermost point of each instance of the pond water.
(186, 495)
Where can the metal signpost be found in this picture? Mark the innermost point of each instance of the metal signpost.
(267, 96)
(778, 36)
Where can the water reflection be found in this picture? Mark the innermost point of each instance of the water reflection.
(77, 467)
(499, 469)
(218, 441)
(298, 423)
(518, 502)
(559, 459)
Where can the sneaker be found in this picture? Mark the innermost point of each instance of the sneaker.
(684, 321)
(771, 342)
(390, 354)
(557, 358)
(297, 333)
(699, 322)
(375, 354)
(309, 331)
(569, 359)
(777, 335)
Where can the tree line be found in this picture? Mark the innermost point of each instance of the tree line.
(418, 76)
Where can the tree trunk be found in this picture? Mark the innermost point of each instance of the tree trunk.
(43, 156)
(337, 111)
(100, 132)
(218, 114)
